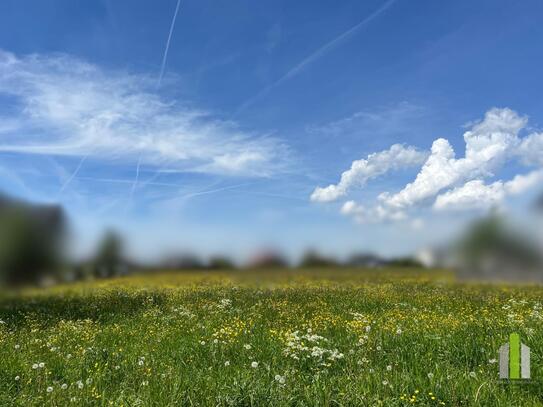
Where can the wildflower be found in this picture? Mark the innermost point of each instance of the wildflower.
(254, 365)
(145, 383)
(202, 343)
(89, 381)
(17, 378)
(385, 382)
(41, 364)
(398, 331)
(215, 340)
(492, 361)
(430, 375)
(117, 367)
(371, 370)
(280, 379)
(35, 366)
(247, 346)
(17, 346)
(79, 384)
(49, 389)
(227, 363)
(69, 355)
(141, 362)
(389, 368)
(472, 374)
(379, 348)
(64, 386)
(368, 328)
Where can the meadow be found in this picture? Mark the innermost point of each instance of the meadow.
(276, 338)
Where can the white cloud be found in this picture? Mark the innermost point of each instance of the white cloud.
(476, 194)
(372, 215)
(447, 181)
(65, 106)
(488, 144)
(472, 195)
(530, 149)
(376, 164)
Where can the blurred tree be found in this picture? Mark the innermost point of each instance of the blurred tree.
(404, 262)
(313, 259)
(30, 241)
(108, 261)
(221, 263)
(491, 248)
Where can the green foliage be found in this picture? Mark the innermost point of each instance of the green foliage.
(491, 241)
(109, 257)
(221, 263)
(314, 259)
(405, 262)
(28, 249)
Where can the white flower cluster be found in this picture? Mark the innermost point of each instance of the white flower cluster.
(225, 303)
(184, 312)
(310, 347)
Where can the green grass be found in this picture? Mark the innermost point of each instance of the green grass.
(336, 337)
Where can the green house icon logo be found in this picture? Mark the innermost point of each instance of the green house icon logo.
(514, 359)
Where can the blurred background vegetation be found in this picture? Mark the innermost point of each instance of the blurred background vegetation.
(33, 252)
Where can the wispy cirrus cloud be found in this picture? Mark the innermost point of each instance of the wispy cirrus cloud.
(444, 181)
(66, 106)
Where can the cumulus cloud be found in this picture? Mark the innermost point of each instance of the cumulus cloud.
(476, 194)
(371, 215)
(446, 181)
(530, 149)
(376, 164)
(66, 106)
(488, 144)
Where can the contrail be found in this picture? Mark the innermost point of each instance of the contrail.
(212, 191)
(135, 184)
(73, 174)
(316, 55)
(127, 181)
(165, 56)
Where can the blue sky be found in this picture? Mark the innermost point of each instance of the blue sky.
(262, 107)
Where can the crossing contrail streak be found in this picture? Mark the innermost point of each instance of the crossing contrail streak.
(212, 191)
(134, 184)
(73, 175)
(316, 55)
(165, 56)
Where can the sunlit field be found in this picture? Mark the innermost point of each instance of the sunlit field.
(336, 337)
